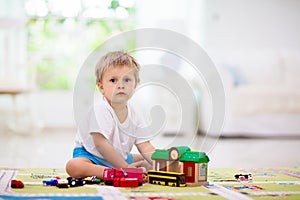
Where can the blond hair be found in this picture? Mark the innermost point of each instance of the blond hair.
(113, 59)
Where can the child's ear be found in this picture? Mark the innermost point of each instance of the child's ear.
(100, 87)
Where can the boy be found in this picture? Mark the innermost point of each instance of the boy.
(107, 135)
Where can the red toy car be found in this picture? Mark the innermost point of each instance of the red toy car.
(16, 184)
(110, 174)
(62, 183)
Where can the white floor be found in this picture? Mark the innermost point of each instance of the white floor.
(53, 148)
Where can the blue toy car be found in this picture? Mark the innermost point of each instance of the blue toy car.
(51, 182)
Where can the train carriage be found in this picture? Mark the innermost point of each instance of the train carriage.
(166, 178)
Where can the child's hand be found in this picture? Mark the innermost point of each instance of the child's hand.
(145, 178)
(135, 164)
(139, 164)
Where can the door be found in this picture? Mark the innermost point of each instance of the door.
(189, 171)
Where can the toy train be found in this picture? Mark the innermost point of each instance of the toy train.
(174, 179)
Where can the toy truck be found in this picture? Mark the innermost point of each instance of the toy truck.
(126, 182)
(110, 174)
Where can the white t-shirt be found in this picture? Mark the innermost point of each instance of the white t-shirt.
(101, 118)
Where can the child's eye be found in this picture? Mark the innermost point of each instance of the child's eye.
(127, 80)
(113, 80)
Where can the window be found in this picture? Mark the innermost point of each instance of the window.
(190, 171)
(203, 169)
(61, 34)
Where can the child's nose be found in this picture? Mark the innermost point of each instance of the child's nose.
(120, 84)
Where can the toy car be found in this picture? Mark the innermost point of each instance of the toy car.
(243, 177)
(51, 182)
(62, 183)
(92, 180)
(16, 184)
(55, 177)
(74, 182)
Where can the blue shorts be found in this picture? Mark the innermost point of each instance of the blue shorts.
(82, 152)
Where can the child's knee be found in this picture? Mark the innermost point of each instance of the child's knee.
(73, 168)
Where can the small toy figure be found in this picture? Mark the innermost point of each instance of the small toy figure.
(243, 177)
(16, 184)
(62, 183)
(73, 182)
(110, 174)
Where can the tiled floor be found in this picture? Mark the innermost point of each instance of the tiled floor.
(53, 148)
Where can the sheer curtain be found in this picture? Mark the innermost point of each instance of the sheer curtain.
(14, 72)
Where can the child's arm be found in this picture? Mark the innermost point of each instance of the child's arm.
(110, 154)
(146, 149)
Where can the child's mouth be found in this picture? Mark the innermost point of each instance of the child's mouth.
(121, 93)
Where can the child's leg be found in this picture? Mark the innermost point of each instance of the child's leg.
(83, 167)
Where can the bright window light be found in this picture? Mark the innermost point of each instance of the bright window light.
(126, 3)
(82, 23)
(36, 8)
(121, 13)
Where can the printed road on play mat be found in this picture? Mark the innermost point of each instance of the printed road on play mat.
(271, 183)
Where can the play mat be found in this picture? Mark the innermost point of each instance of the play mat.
(267, 183)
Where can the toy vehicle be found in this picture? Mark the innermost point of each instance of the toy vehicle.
(55, 177)
(110, 174)
(62, 183)
(73, 182)
(166, 178)
(51, 182)
(16, 184)
(243, 177)
(126, 182)
(92, 180)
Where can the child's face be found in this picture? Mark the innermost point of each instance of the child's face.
(118, 84)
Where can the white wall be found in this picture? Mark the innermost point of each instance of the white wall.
(13, 54)
(242, 24)
(257, 43)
